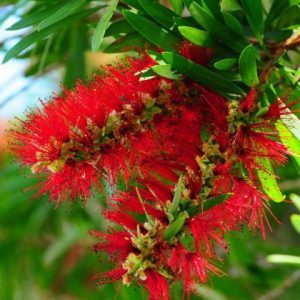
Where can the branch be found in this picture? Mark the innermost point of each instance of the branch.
(279, 50)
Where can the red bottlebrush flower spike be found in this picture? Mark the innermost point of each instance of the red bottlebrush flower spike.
(186, 156)
(199, 55)
(157, 286)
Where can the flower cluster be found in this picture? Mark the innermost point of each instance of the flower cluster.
(187, 155)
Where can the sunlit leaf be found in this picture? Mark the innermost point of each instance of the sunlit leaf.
(268, 180)
(103, 25)
(248, 69)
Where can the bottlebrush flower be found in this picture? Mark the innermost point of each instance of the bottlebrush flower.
(199, 55)
(187, 157)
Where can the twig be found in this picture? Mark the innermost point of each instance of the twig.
(286, 284)
(279, 50)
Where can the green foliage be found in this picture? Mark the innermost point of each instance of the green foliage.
(247, 63)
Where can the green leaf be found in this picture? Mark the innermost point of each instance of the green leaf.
(225, 64)
(65, 11)
(117, 27)
(147, 28)
(165, 71)
(213, 7)
(230, 5)
(196, 36)
(173, 228)
(296, 200)
(290, 18)
(177, 6)
(233, 23)
(213, 201)
(39, 35)
(268, 180)
(254, 14)
(176, 197)
(202, 75)
(126, 43)
(248, 69)
(217, 29)
(295, 220)
(292, 122)
(159, 13)
(283, 259)
(103, 25)
(134, 3)
(288, 139)
(278, 6)
(35, 17)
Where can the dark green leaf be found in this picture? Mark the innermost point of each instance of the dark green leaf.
(196, 36)
(117, 27)
(290, 18)
(220, 32)
(126, 43)
(268, 180)
(202, 75)
(177, 197)
(165, 71)
(35, 17)
(248, 69)
(159, 13)
(277, 36)
(254, 14)
(233, 23)
(134, 3)
(278, 6)
(213, 201)
(173, 228)
(186, 21)
(39, 35)
(225, 64)
(213, 7)
(230, 5)
(147, 28)
(177, 6)
(66, 10)
(102, 25)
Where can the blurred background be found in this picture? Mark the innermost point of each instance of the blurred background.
(45, 252)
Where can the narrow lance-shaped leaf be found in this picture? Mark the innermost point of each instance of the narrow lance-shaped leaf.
(159, 13)
(197, 36)
(39, 35)
(62, 13)
(103, 25)
(220, 31)
(213, 201)
(233, 23)
(152, 32)
(290, 141)
(248, 69)
(165, 71)
(202, 75)
(284, 259)
(177, 196)
(254, 14)
(295, 220)
(35, 17)
(126, 43)
(225, 64)
(268, 180)
(176, 226)
(177, 6)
